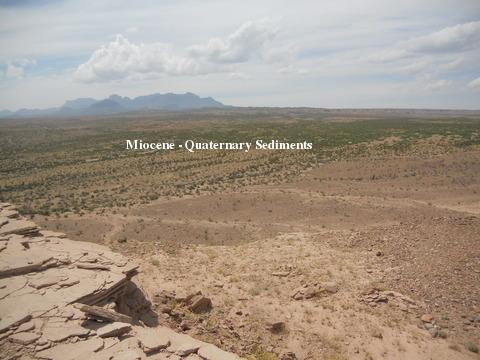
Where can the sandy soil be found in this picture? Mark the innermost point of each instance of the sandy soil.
(382, 242)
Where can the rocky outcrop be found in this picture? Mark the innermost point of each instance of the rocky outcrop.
(64, 299)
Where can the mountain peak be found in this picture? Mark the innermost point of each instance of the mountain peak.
(115, 104)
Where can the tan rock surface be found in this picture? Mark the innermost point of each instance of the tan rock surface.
(24, 338)
(60, 298)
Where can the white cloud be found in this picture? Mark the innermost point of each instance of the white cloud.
(389, 55)
(290, 69)
(454, 64)
(122, 59)
(474, 84)
(456, 38)
(246, 42)
(414, 67)
(238, 75)
(437, 85)
(331, 39)
(16, 69)
(452, 39)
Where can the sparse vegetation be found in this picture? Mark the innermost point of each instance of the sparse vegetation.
(46, 169)
(352, 227)
(472, 348)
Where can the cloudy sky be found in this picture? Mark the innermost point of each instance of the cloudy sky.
(322, 53)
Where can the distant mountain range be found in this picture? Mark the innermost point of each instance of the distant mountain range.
(116, 104)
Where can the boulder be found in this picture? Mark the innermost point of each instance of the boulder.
(200, 304)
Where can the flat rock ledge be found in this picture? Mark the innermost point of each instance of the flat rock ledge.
(63, 299)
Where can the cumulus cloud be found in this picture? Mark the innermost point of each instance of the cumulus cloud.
(16, 68)
(474, 84)
(246, 42)
(121, 59)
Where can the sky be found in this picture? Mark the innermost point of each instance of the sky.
(323, 53)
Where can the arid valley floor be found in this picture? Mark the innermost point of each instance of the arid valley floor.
(368, 248)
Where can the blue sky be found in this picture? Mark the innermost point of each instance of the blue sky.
(340, 53)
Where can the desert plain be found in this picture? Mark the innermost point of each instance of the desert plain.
(365, 247)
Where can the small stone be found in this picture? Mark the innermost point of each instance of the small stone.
(298, 293)
(200, 304)
(310, 293)
(433, 331)
(331, 287)
(281, 273)
(382, 298)
(113, 330)
(42, 341)
(278, 327)
(426, 317)
(184, 325)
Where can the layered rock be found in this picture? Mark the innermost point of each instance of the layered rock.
(64, 299)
